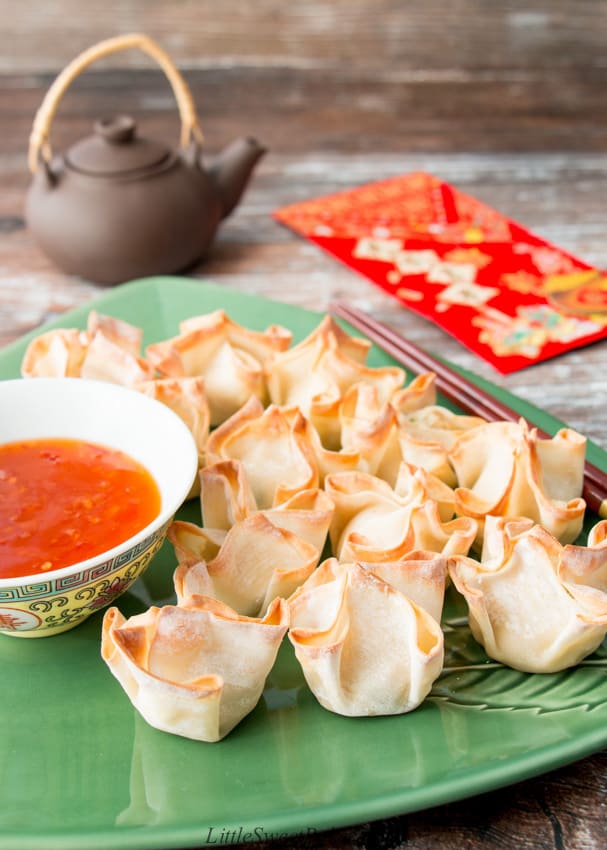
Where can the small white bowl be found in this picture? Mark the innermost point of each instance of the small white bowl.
(46, 604)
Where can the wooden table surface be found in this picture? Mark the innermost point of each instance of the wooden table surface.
(507, 101)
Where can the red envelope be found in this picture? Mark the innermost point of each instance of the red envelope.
(509, 296)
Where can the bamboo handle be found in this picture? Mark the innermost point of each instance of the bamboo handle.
(39, 143)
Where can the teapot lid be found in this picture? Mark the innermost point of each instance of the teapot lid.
(116, 150)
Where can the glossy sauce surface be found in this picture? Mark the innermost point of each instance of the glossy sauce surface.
(63, 501)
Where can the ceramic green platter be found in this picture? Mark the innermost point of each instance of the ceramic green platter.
(80, 768)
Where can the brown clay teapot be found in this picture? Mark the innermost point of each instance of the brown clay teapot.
(117, 206)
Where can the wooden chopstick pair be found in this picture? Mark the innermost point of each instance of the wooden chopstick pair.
(466, 395)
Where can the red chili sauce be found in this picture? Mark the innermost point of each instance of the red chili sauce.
(64, 500)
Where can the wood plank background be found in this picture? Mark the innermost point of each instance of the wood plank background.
(420, 34)
(423, 75)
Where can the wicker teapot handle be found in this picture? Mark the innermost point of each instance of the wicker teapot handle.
(39, 143)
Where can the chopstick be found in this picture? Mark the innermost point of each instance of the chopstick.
(463, 393)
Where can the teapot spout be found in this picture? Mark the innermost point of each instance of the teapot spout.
(232, 169)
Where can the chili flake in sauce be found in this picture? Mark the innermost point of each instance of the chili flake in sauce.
(65, 500)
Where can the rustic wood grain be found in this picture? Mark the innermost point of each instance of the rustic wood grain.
(507, 100)
(295, 110)
(428, 37)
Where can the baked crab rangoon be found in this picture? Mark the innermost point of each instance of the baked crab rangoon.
(108, 350)
(279, 449)
(273, 448)
(254, 563)
(364, 647)
(428, 430)
(282, 451)
(371, 428)
(535, 605)
(385, 432)
(226, 498)
(421, 575)
(229, 356)
(374, 522)
(187, 398)
(245, 556)
(505, 469)
(315, 374)
(194, 669)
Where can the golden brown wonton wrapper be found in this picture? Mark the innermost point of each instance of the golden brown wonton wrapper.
(187, 398)
(504, 469)
(121, 333)
(109, 350)
(315, 374)
(279, 449)
(420, 575)
(364, 648)
(373, 522)
(254, 563)
(587, 565)
(229, 356)
(436, 424)
(534, 604)
(368, 427)
(226, 498)
(55, 354)
(196, 669)
(427, 430)
(384, 435)
(419, 393)
(273, 447)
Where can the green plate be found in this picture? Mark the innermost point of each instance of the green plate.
(80, 768)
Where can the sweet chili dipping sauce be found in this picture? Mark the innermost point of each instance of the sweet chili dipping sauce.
(64, 500)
